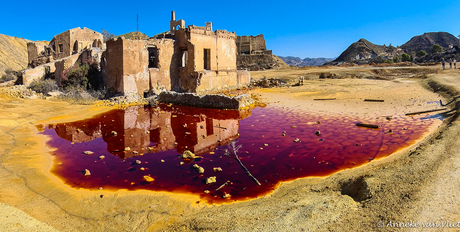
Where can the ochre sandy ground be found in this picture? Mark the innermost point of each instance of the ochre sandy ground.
(418, 184)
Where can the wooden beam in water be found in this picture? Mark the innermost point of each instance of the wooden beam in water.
(323, 99)
(373, 100)
(372, 126)
(427, 111)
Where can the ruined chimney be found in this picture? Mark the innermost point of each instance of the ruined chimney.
(173, 16)
(209, 26)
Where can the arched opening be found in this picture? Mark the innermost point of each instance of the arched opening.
(75, 47)
(184, 58)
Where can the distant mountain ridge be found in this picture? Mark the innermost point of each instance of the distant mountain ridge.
(297, 61)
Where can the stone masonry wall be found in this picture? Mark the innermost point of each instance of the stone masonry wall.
(250, 44)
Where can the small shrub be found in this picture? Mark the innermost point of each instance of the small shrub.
(421, 53)
(388, 61)
(107, 35)
(80, 96)
(75, 77)
(436, 49)
(82, 76)
(8, 76)
(396, 59)
(44, 86)
(405, 57)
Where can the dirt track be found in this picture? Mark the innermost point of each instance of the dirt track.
(418, 185)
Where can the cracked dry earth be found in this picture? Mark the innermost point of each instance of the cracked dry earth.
(418, 183)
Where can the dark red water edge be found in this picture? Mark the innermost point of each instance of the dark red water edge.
(141, 148)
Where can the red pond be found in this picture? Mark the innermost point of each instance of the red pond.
(140, 148)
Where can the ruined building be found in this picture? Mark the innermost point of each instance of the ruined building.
(193, 59)
(64, 50)
(253, 54)
(252, 45)
(63, 45)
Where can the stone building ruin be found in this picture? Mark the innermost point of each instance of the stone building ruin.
(193, 59)
(64, 50)
(253, 54)
(189, 59)
(252, 45)
(63, 45)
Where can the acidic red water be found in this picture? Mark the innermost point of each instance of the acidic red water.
(141, 141)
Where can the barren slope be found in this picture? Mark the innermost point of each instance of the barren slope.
(13, 53)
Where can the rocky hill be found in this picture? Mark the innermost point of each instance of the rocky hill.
(426, 41)
(363, 50)
(298, 62)
(256, 62)
(135, 35)
(13, 53)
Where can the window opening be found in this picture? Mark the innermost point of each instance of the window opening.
(153, 57)
(207, 59)
(184, 58)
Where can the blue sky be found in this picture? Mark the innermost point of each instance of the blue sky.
(297, 28)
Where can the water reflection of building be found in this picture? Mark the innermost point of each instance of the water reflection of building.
(150, 130)
(79, 132)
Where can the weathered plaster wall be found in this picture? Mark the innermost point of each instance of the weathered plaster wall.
(61, 39)
(135, 64)
(33, 74)
(127, 65)
(221, 72)
(112, 65)
(84, 38)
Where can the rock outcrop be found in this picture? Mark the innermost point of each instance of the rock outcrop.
(256, 62)
(216, 101)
